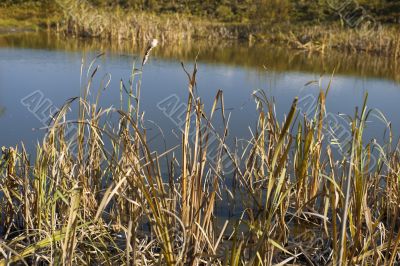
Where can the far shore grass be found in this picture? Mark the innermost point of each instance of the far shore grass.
(27, 17)
(119, 24)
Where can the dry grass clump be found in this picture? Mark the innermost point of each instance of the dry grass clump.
(384, 41)
(118, 24)
(84, 20)
(102, 196)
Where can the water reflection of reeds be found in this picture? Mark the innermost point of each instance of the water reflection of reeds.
(227, 52)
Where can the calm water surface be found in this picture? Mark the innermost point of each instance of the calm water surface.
(51, 66)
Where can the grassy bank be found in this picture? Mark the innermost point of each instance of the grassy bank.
(27, 16)
(314, 27)
(97, 194)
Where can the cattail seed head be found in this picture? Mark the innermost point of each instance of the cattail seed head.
(152, 44)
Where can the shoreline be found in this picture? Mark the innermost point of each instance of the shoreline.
(118, 25)
(12, 30)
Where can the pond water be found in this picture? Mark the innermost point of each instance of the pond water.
(49, 67)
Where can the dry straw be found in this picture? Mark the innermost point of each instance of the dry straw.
(116, 201)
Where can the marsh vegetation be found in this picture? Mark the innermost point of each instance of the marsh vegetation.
(362, 26)
(301, 189)
(96, 193)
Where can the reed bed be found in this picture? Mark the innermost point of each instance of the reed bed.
(81, 19)
(138, 27)
(302, 26)
(384, 41)
(118, 24)
(103, 196)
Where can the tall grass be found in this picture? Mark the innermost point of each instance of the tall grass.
(322, 38)
(103, 196)
(81, 19)
(119, 24)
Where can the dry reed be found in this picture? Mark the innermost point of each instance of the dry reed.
(103, 197)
